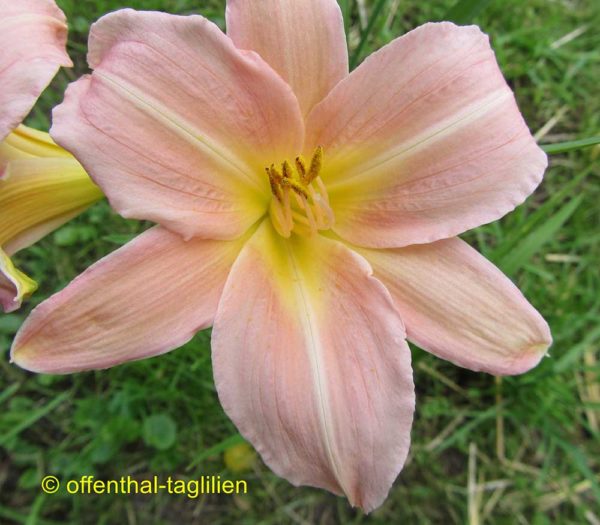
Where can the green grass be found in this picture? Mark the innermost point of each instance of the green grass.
(518, 450)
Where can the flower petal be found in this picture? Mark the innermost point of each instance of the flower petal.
(303, 40)
(25, 142)
(459, 306)
(33, 38)
(311, 365)
(424, 141)
(148, 297)
(14, 285)
(37, 195)
(175, 123)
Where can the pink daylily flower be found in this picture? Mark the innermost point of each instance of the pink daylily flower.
(33, 39)
(41, 185)
(308, 214)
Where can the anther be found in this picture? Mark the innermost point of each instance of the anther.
(287, 170)
(301, 167)
(315, 165)
(275, 189)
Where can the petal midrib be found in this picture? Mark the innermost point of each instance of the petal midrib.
(171, 120)
(488, 104)
(308, 322)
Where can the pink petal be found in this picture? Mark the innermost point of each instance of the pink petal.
(311, 365)
(33, 37)
(175, 123)
(424, 141)
(303, 40)
(148, 297)
(460, 307)
(8, 294)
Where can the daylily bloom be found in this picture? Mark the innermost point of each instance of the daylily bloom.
(308, 214)
(41, 185)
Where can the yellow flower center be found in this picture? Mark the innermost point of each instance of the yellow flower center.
(300, 202)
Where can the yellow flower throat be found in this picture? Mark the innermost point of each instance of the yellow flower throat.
(300, 202)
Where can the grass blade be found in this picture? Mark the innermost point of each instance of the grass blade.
(524, 250)
(573, 145)
(346, 8)
(582, 464)
(574, 353)
(542, 214)
(16, 517)
(38, 414)
(366, 33)
(9, 392)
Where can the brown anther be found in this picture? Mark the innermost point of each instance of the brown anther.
(301, 168)
(286, 169)
(274, 181)
(273, 172)
(294, 186)
(315, 165)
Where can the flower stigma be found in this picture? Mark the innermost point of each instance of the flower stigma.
(300, 202)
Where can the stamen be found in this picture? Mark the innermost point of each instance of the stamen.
(302, 226)
(315, 165)
(287, 170)
(298, 189)
(300, 218)
(279, 221)
(330, 217)
(301, 167)
(273, 172)
(275, 189)
(310, 211)
(300, 201)
(289, 222)
(316, 201)
(322, 189)
(310, 217)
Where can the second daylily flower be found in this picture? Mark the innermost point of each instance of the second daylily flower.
(305, 212)
(41, 185)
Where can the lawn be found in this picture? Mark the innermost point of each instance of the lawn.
(522, 449)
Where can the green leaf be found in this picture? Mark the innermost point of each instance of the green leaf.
(464, 11)
(160, 431)
(521, 254)
(563, 147)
